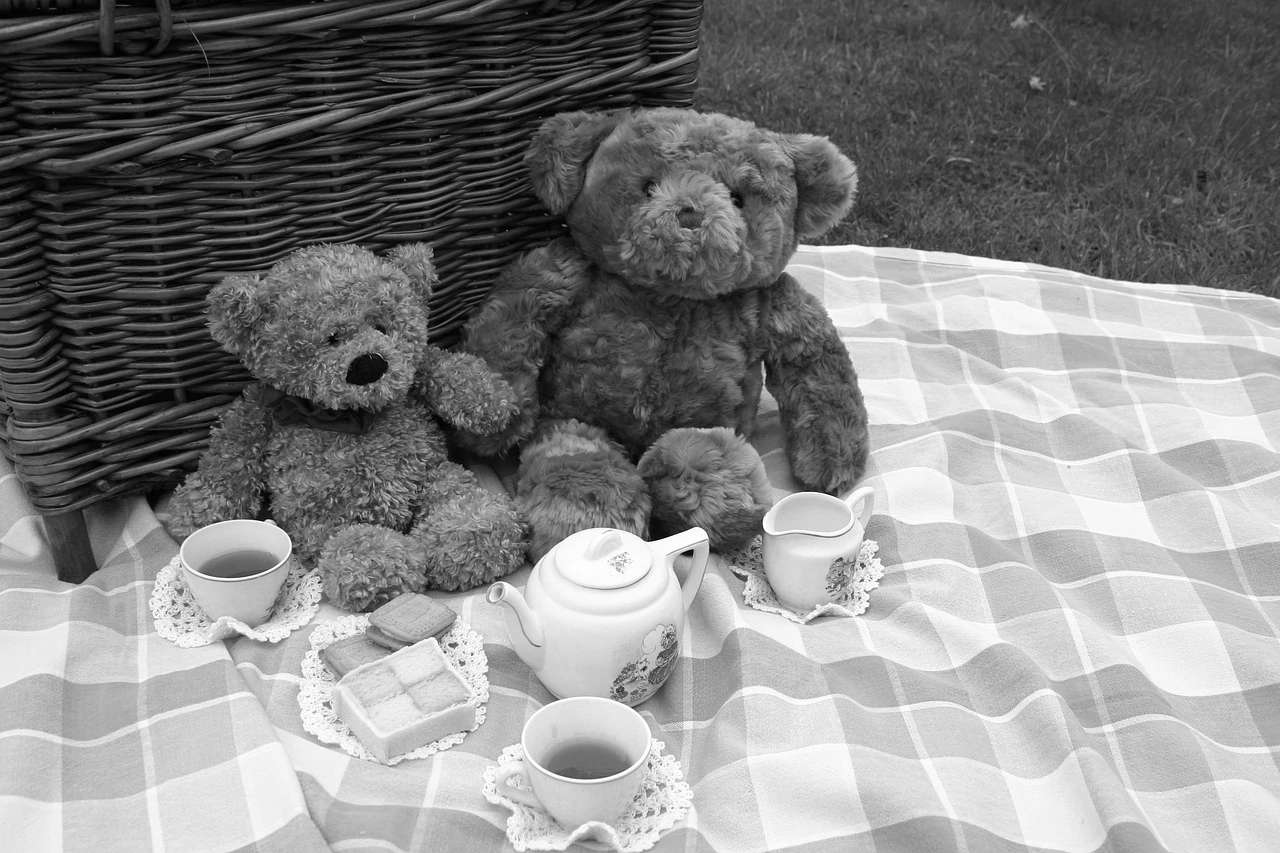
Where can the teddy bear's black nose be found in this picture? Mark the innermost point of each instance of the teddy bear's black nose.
(688, 217)
(366, 368)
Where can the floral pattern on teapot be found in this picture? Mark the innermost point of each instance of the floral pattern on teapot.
(641, 678)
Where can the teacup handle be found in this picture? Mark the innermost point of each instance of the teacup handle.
(867, 495)
(502, 782)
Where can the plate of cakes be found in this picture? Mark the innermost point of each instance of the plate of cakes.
(405, 681)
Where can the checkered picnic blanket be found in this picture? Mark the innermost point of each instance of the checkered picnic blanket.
(1074, 646)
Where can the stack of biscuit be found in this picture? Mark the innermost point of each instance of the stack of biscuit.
(401, 622)
(408, 619)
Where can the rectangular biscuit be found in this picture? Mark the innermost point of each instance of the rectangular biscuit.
(387, 642)
(408, 619)
(344, 655)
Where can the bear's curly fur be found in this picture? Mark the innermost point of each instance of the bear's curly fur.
(639, 345)
(338, 440)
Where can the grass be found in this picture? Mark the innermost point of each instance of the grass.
(1130, 139)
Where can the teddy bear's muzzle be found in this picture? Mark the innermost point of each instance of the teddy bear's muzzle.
(689, 217)
(366, 369)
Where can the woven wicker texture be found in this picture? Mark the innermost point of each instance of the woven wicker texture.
(148, 150)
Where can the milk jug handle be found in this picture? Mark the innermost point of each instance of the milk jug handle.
(867, 496)
(694, 538)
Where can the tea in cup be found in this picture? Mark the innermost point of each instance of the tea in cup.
(236, 568)
(585, 758)
(810, 545)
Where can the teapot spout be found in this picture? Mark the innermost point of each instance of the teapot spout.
(523, 625)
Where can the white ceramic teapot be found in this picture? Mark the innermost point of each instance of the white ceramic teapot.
(603, 611)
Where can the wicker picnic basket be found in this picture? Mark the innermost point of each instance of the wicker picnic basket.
(149, 149)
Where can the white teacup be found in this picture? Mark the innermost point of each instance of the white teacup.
(810, 545)
(585, 758)
(236, 568)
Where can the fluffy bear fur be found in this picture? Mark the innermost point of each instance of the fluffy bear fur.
(338, 440)
(638, 347)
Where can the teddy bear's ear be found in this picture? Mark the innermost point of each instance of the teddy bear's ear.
(235, 309)
(416, 261)
(826, 181)
(558, 155)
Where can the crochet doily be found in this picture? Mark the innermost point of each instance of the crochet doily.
(748, 563)
(181, 621)
(462, 646)
(663, 799)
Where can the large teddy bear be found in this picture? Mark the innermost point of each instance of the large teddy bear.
(636, 345)
(338, 441)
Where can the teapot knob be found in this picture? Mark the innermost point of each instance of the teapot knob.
(602, 558)
(606, 543)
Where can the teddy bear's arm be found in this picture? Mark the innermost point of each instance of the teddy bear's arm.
(533, 298)
(808, 371)
(231, 478)
(460, 388)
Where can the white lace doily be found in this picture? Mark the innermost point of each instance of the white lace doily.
(663, 799)
(748, 563)
(181, 621)
(462, 646)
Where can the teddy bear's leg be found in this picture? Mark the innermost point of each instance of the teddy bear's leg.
(572, 476)
(710, 478)
(362, 566)
(469, 535)
(310, 535)
(195, 503)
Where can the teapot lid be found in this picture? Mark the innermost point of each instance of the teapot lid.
(603, 558)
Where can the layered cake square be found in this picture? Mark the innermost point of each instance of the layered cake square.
(405, 700)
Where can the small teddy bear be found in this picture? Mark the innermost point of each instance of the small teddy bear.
(638, 346)
(337, 440)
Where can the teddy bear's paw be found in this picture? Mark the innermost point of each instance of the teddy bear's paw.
(573, 477)
(709, 478)
(464, 392)
(364, 566)
(516, 420)
(474, 538)
(499, 441)
(832, 456)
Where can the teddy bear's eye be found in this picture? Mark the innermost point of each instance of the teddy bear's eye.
(380, 328)
(736, 198)
(649, 187)
(335, 339)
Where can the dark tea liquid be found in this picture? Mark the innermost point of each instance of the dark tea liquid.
(586, 758)
(238, 564)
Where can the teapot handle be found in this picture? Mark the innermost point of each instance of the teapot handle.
(695, 539)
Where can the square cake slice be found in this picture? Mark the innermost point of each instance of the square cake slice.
(431, 700)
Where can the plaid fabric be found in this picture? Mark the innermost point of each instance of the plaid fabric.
(1074, 647)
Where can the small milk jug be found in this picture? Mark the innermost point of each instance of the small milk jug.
(810, 546)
